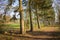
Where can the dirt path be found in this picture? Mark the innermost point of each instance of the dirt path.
(9, 37)
(35, 35)
(43, 34)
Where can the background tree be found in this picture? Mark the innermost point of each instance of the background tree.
(31, 24)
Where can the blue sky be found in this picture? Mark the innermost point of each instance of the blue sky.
(3, 5)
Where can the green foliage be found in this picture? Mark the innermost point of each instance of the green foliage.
(44, 9)
(47, 4)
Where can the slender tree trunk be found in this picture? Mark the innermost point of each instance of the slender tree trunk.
(31, 25)
(21, 18)
(59, 18)
(27, 19)
(37, 17)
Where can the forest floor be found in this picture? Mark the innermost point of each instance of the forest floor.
(46, 33)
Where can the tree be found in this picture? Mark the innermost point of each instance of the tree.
(31, 24)
(6, 9)
(37, 16)
(21, 17)
(56, 7)
(13, 18)
(42, 6)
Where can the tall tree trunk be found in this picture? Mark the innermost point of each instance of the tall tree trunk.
(37, 17)
(59, 18)
(27, 19)
(31, 25)
(21, 18)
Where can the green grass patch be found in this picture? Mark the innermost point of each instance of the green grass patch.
(13, 25)
(10, 25)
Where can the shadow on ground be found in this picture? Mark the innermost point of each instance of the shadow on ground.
(40, 33)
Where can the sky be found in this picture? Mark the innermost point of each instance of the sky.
(3, 5)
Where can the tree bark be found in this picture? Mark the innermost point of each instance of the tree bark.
(31, 25)
(37, 16)
(21, 17)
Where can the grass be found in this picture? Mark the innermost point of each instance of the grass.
(6, 27)
(15, 26)
(11, 25)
